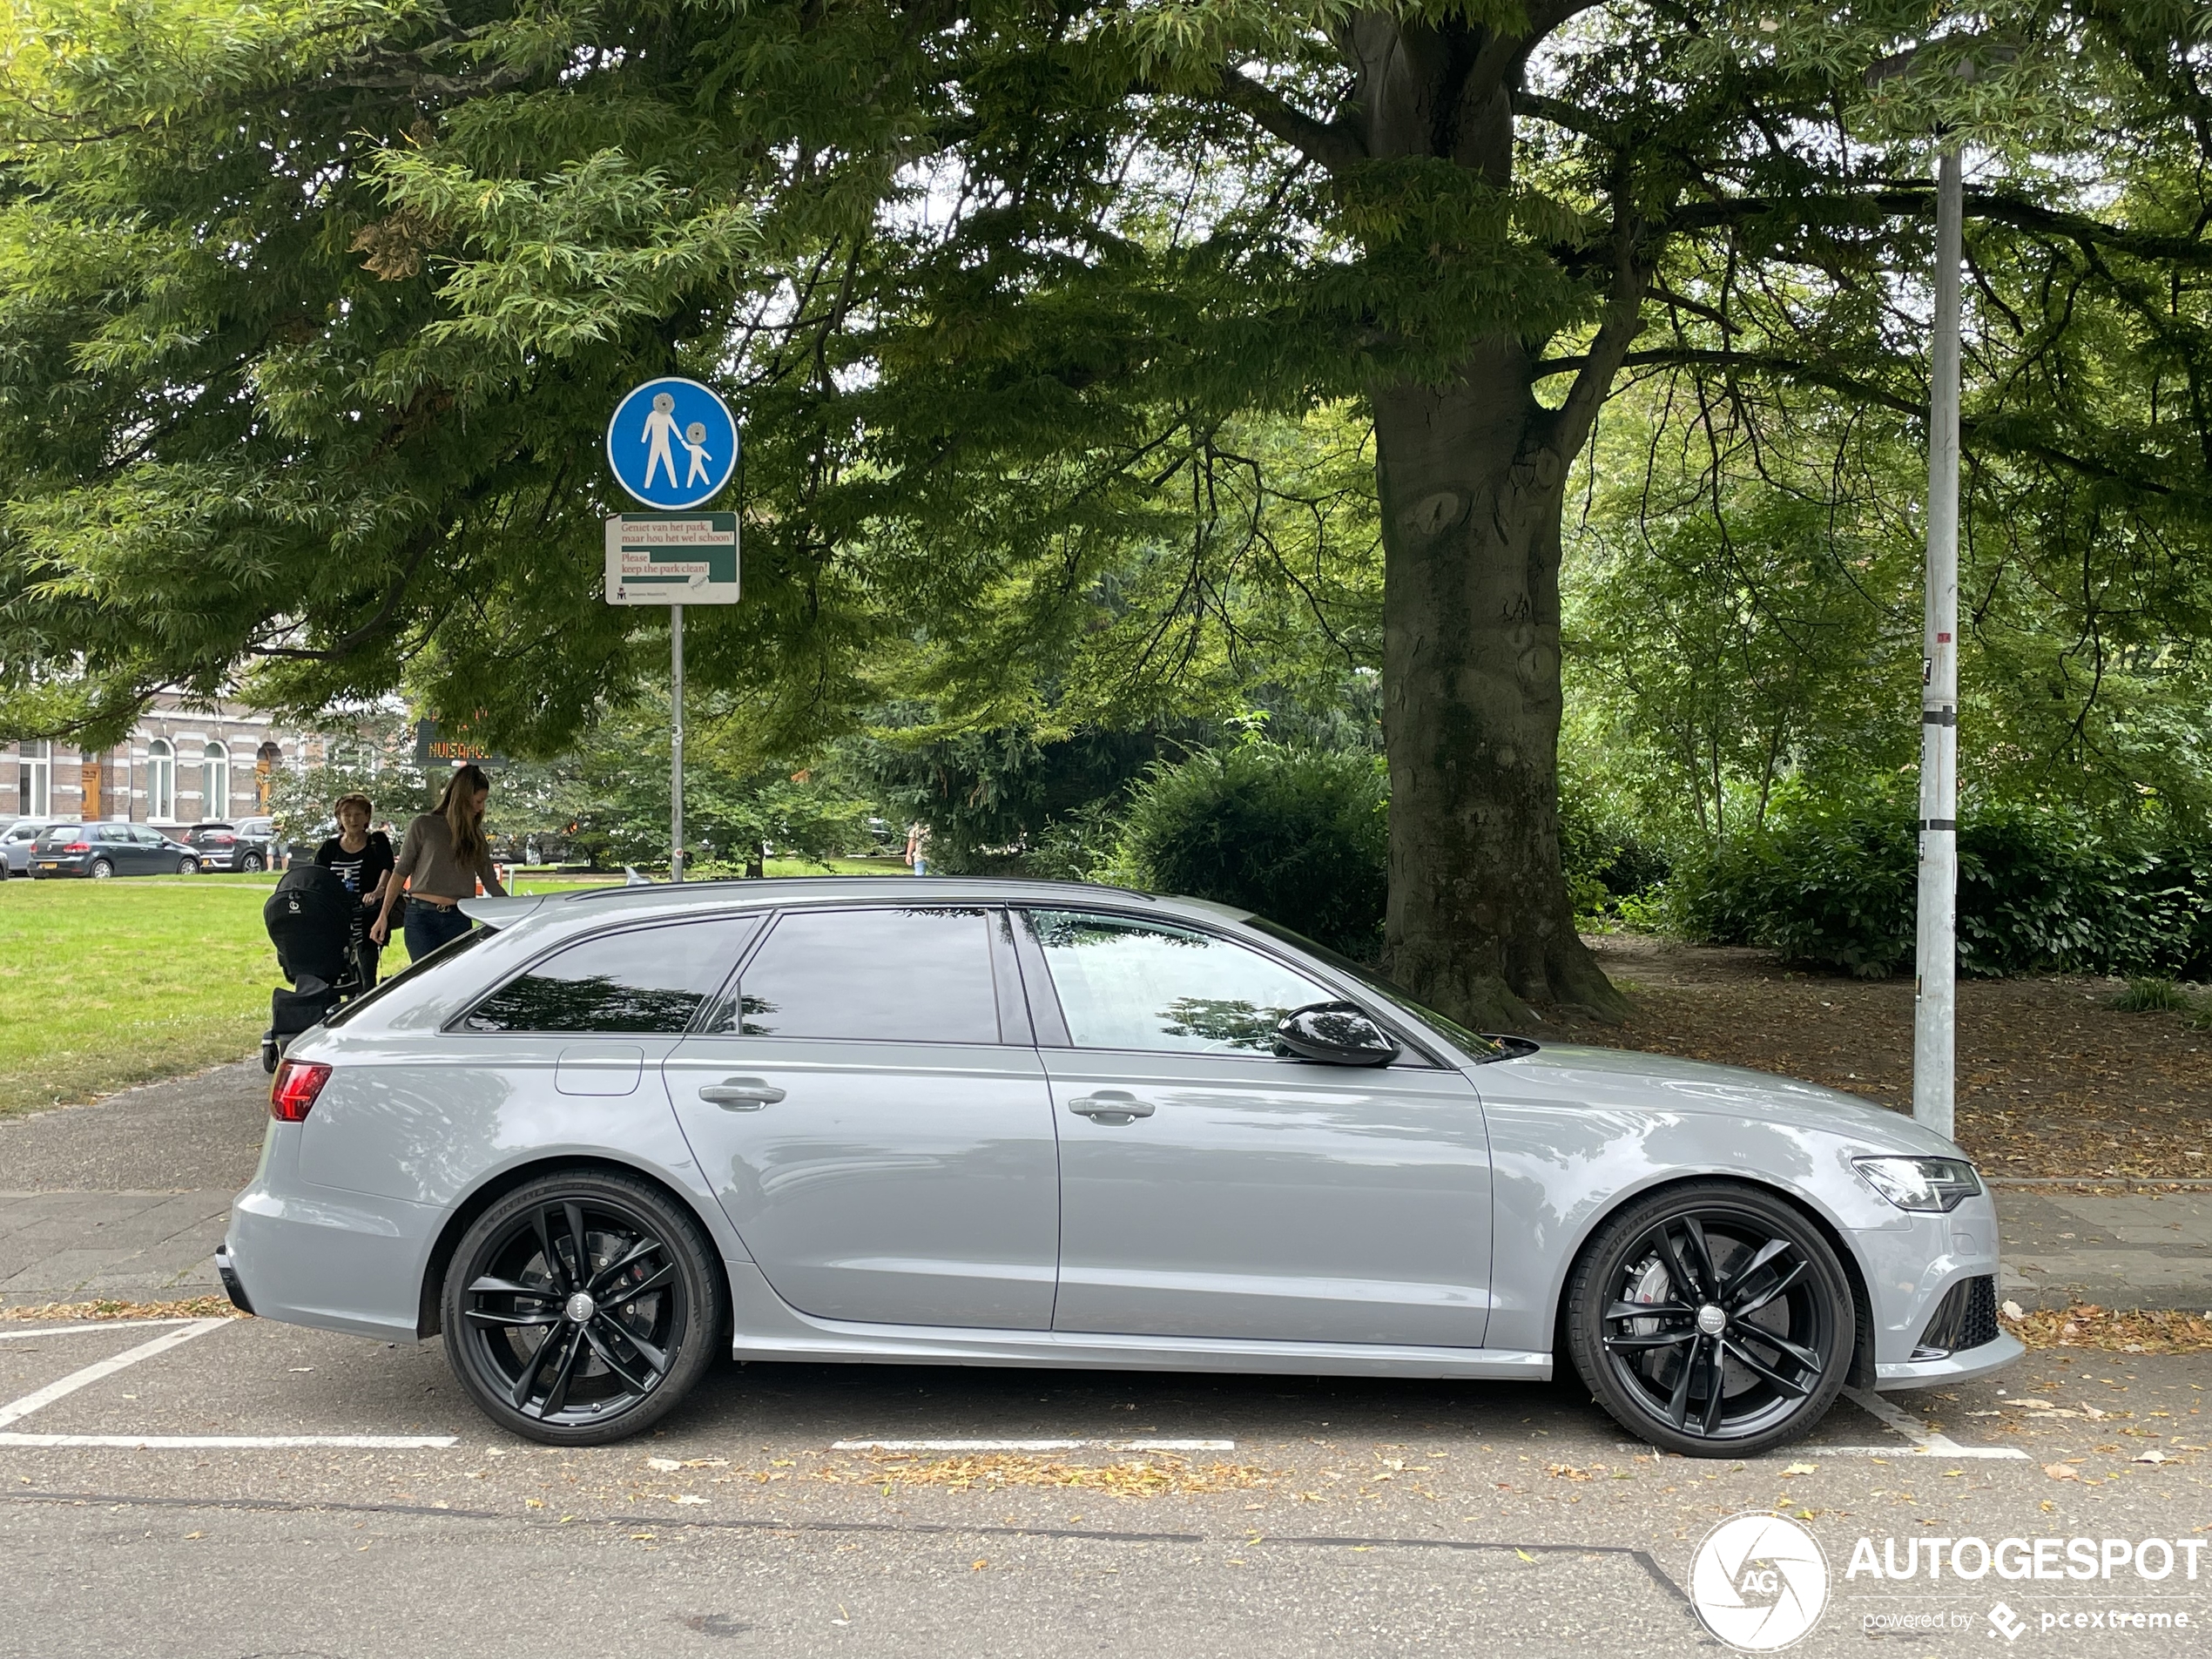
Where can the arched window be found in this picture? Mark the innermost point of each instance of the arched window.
(161, 780)
(215, 781)
(38, 780)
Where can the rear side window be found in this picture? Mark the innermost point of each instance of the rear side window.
(919, 975)
(645, 979)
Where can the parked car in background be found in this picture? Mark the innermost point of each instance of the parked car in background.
(249, 844)
(103, 850)
(15, 843)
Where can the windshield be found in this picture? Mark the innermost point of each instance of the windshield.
(1477, 1046)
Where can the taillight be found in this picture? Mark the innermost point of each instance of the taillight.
(78, 846)
(292, 1095)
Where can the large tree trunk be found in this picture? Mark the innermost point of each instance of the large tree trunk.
(1478, 922)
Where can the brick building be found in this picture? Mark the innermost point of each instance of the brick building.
(178, 767)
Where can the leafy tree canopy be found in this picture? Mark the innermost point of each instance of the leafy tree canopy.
(310, 314)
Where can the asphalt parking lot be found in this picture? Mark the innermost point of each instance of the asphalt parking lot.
(233, 1487)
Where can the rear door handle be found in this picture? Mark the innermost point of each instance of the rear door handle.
(1110, 1106)
(741, 1093)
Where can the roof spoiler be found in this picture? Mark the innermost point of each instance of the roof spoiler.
(500, 913)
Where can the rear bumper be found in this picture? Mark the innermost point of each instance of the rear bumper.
(339, 1261)
(233, 1286)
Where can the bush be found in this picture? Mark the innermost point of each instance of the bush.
(1301, 836)
(1835, 886)
(1603, 858)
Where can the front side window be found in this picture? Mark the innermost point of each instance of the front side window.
(1126, 984)
(647, 980)
(918, 974)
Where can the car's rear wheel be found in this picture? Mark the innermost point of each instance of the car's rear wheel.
(251, 864)
(101, 870)
(1712, 1319)
(582, 1307)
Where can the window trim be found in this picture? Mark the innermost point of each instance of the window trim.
(1416, 1052)
(1007, 998)
(455, 1026)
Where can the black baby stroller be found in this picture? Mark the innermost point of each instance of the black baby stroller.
(310, 918)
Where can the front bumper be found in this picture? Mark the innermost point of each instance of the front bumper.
(1951, 1367)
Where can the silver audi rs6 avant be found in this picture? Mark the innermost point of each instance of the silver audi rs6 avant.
(612, 1134)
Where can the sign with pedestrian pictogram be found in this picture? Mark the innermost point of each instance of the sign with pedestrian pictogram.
(672, 559)
(672, 443)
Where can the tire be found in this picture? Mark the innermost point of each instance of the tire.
(1772, 1315)
(519, 1352)
(101, 870)
(187, 867)
(251, 864)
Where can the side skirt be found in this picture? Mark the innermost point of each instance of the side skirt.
(767, 1327)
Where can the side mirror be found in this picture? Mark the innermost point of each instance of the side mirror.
(1335, 1033)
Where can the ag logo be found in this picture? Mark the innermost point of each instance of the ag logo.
(1759, 1582)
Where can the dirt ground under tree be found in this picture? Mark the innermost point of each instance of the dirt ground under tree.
(2053, 1081)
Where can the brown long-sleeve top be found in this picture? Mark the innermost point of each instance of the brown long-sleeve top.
(427, 861)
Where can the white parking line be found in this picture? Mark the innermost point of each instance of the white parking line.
(1033, 1446)
(15, 1410)
(1926, 1442)
(237, 1442)
(99, 1325)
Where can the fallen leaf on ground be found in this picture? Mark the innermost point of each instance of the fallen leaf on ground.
(1800, 1468)
(2061, 1472)
(2116, 1331)
(196, 1307)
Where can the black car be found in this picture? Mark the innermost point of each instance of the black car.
(246, 844)
(102, 850)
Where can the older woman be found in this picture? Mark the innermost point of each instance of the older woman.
(442, 858)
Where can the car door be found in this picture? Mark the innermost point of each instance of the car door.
(112, 842)
(1209, 1187)
(871, 1112)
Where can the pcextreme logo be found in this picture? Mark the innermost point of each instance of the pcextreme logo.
(1759, 1582)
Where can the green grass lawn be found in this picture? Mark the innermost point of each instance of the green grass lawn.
(110, 983)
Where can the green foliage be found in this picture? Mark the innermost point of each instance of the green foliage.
(1833, 885)
(2153, 995)
(1300, 836)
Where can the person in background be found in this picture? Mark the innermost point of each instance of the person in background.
(443, 858)
(918, 847)
(362, 858)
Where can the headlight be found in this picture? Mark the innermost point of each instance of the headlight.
(1928, 1184)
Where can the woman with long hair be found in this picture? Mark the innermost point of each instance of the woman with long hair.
(443, 857)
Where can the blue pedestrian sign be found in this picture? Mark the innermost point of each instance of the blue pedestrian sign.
(672, 443)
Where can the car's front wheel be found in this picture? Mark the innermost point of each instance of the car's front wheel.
(187, 867)
(1712, 1319)
(582, 1307)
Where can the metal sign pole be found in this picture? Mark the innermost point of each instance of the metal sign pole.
(1935, 1003)
(676, 743)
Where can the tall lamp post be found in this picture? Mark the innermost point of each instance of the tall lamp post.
(1935, 986)
(1935, 996)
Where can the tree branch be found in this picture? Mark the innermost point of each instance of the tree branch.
(426, 539)
(1329, 144)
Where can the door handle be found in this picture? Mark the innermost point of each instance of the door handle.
(1111, 1106)
(741, 1093)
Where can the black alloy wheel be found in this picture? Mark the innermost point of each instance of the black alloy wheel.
(582, 1307)
(1712, 1319)
(251, 864)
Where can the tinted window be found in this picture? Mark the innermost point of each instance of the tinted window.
(1477, 1047)
(904, 975)
(649, 979)
(113, 835)
(1126, 984)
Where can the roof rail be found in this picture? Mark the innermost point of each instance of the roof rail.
(751, 882)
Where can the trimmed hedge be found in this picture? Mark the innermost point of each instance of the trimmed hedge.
(1835, 886)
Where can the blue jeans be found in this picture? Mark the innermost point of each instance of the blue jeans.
(429, 926)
